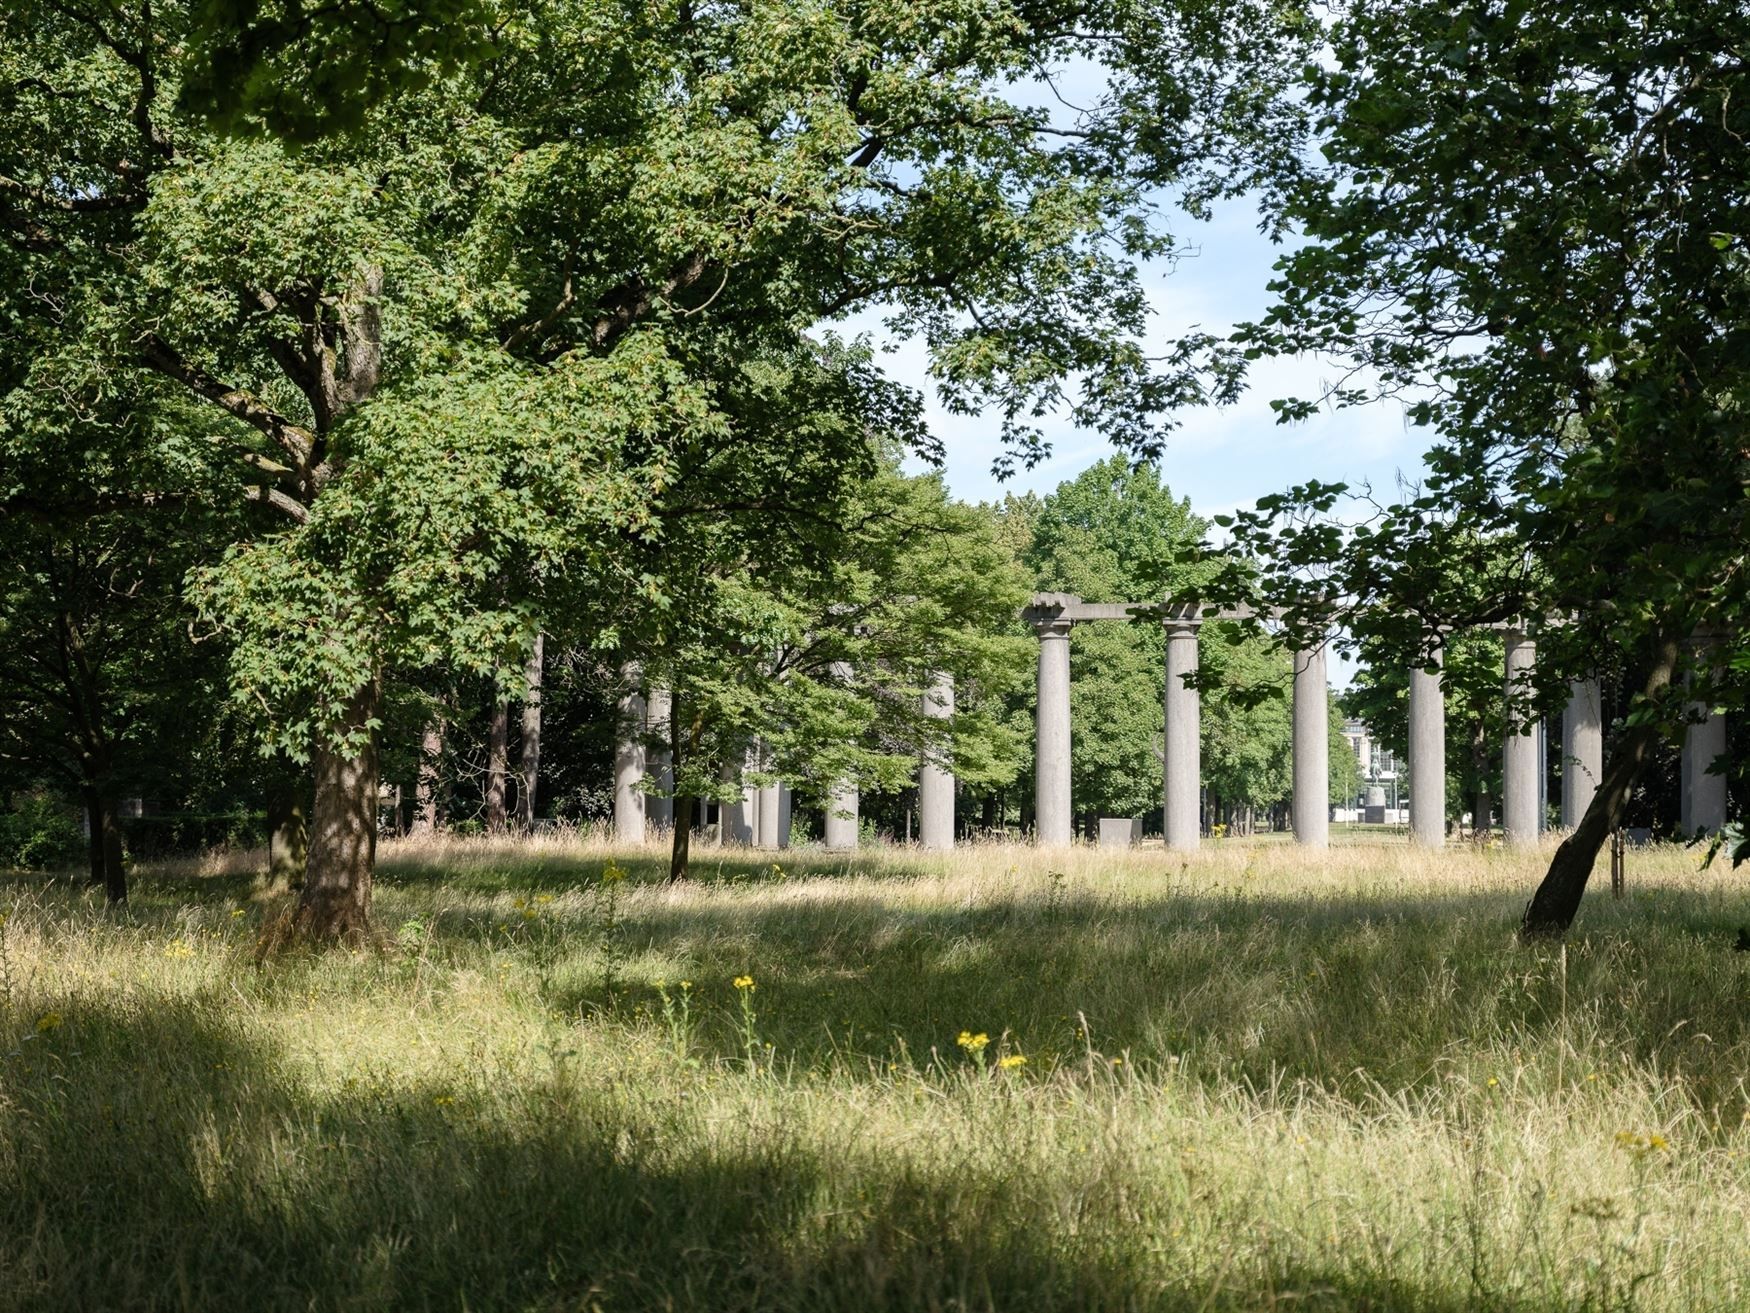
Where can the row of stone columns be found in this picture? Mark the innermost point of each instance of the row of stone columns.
(761, 817)
(1181, 716)
(1053, 616)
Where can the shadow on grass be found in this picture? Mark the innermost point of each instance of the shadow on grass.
(1346, 993)
(156, 1157)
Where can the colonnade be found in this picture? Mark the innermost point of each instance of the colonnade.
(761, 817)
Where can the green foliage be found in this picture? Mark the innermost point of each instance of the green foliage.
(39, 832)
(1529, 221)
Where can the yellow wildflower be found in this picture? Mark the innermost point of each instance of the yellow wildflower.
(744, 982)
(1011, 1061)
(49, 1021)
(236, 912)
(612, 874)
(178, 948)
(973, 1043)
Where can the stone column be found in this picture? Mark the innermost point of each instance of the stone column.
(841, 819)
(735, 818)
(629, 765)
(841, 802)
(1427, 758)
(1182, 765)
(766, 824)
(1051, 735)
(1311, 801)
(782, 838)
(1703, 808)
(659, 760)
(1582, 749)
(1519, 755)
(935, 779)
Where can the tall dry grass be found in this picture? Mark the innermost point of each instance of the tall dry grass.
(1254, 1078)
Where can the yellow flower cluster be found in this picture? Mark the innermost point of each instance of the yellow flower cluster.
(49, 1021)
(1011, 1061)
(612, 873)
(744, 982)
(1652, 1141)
(973, 1043)
(178, 948)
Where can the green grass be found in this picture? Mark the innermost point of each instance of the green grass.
(1255, 1079)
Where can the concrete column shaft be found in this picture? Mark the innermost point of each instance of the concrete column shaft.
(1051, 800)
(1182, 765)
(1427, 759)
(1310, 809)
(1520, 764)
(841, 819)
(1704, 795)
(935, 779)
(629, 769)
(770, 798)
(841, 803)
(659, 760)
(1582, 749)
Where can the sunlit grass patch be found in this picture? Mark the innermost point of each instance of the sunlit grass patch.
(995, 1079)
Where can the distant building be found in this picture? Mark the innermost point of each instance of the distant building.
(1379, 799)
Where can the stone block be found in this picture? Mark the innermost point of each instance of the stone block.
(1120, 831)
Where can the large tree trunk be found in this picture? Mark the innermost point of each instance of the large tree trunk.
(682, 741)
(1552, 908)
(104, 849)
(681, 845)
(428, 809)
(336, 902)
(288, 834)
(497, 765)
(531, 735)
(94, 833)
(115, 875)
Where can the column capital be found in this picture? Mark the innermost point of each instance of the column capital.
(1181, 617)
(1048, 613)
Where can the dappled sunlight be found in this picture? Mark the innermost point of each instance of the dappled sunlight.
(889, 1079)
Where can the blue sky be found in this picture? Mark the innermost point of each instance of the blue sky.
(1220, 458)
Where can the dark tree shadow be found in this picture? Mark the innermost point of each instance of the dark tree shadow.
(158, 1159)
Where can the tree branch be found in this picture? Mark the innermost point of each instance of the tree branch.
(296, 440)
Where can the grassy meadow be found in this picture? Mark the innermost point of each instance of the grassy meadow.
(998, 1080)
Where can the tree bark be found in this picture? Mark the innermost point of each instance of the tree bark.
(1553, 907)
(531, 735)
(288, 835)
(336, 901)
(115, 875)
(497, 765)
(428, 807)
(104, 849)
(682, 742)
(94, 833)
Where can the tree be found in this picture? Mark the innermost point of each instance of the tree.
(826, 660)
(459, 348)
(1528, 220)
